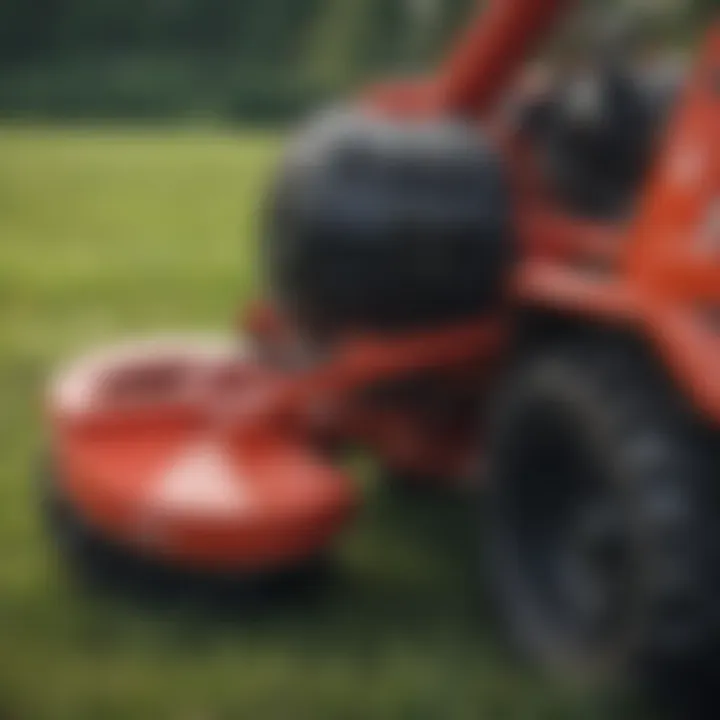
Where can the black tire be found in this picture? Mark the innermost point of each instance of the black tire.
(602, 519)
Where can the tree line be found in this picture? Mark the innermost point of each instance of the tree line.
(247, 58)
(250, 59)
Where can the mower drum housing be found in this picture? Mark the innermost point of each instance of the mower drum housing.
(380, 224)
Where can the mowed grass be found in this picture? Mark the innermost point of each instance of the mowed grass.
(105, 234)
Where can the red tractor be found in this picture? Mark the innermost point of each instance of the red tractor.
(484, 281)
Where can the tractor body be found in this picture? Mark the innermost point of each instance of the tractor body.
(581, 390)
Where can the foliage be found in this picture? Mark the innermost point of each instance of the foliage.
(249, 58)
(252, 59)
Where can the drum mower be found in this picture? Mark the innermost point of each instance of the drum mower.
(487, 283)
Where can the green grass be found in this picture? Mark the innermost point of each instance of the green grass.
(104, 234)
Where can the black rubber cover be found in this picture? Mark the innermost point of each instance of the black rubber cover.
(597, 135)
(381, 224)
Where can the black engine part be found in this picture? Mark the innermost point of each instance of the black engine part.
(596, 135)
(381, 224)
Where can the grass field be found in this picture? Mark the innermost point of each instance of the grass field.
(104, 234)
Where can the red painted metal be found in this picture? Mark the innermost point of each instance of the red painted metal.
(492, 51)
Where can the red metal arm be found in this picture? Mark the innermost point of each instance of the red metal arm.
(495, 45)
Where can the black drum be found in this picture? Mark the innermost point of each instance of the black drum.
(377, 224)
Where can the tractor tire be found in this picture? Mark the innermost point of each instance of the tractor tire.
(603, 517)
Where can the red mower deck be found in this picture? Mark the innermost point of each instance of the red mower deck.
(144, 452)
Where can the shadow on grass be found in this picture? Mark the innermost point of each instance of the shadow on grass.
(409, 564)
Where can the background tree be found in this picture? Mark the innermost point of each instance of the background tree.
(253, 59)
